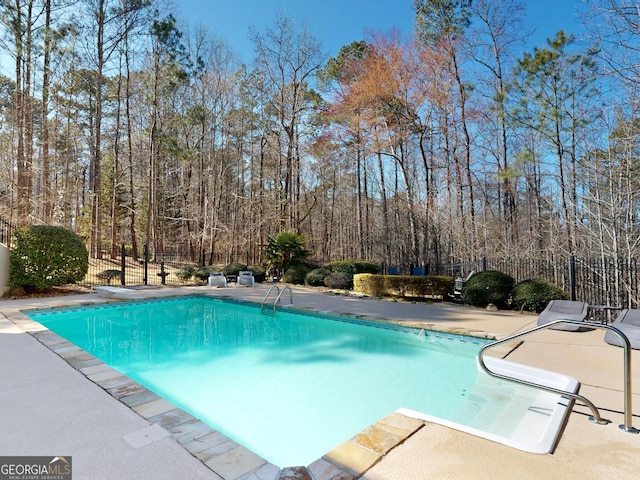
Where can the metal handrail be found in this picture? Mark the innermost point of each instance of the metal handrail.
(279, 294)
(284, 289)
(596, 418)
(269, 293)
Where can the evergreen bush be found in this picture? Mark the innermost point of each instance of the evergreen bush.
(202, 274)
(315, 278)
(534, 294)
(354, 267)
(490, 287)
(109, 275)
(184, 274)
(46, 256)
(259, 272)
(296, 274)
(364, 266)
(233, 268)
(349, 268)
(341, 280)
(342, 266)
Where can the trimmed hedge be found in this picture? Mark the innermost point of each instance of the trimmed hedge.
(369, 284)
(490, 287)
(534, 294)
(45, 256)
(403, 285)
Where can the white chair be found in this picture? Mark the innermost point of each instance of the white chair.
(217, 279)
(245, 277)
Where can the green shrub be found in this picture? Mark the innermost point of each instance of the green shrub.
(363, 266)
(234, 268)
(296, 274)
(349, 268)
(354, 267)
(315, 277)
(184, 274)
(285, 250)
(342, 266)
(44, 256)
(488, 287)
(202, 274)
(108, 275)
(534, 294)
(259, 272)
(341, 280)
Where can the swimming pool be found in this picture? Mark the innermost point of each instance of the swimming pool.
(289, 387)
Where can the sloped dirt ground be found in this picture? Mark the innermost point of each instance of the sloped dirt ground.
(15, 293)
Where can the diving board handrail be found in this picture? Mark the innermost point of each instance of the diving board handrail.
(596, 418)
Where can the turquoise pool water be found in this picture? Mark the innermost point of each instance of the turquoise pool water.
(289, 387)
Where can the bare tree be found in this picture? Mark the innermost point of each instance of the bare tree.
(288, 55)
(444, 23)
(497, 28)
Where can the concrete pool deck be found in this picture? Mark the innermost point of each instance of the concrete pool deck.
(48, 408)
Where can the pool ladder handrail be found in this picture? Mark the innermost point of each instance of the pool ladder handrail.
(278, 296)
(595, 417)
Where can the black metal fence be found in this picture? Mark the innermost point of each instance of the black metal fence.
(152, 268)
(124, 269)
(598, 281)
(6, 231)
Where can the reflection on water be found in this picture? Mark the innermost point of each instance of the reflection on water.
(290, 387)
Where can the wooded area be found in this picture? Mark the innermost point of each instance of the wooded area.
(128, 127)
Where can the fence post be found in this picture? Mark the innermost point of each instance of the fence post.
(146, 264)
(122, 265)
(572, 276)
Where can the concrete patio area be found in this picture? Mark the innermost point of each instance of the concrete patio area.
(50, 408)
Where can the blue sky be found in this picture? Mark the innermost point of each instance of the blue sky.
(340, 22)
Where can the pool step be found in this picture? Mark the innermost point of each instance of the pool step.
(496, 409)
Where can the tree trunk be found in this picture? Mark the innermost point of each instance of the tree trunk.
(47, 201)
(132, 192)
